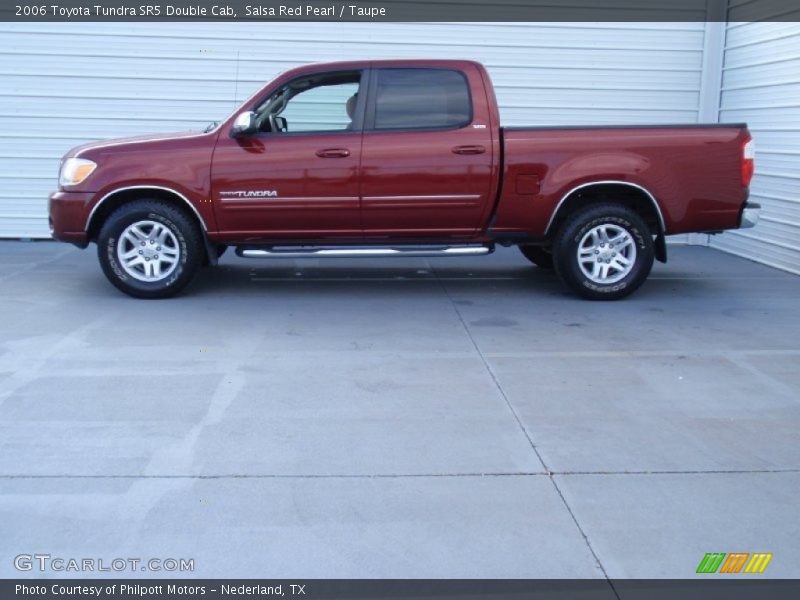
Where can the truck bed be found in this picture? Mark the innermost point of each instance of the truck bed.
(645, 126)
(690, 172)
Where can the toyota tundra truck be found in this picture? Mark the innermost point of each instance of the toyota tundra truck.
(399, 158)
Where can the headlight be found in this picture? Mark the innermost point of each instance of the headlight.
(75, 171)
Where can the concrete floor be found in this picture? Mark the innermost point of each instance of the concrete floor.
(400, 418)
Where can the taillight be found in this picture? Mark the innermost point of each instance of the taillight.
(748, 161)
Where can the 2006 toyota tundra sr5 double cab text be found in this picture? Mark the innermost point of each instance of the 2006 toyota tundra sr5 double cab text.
(399, 158)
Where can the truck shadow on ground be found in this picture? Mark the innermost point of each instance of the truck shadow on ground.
(237, 278)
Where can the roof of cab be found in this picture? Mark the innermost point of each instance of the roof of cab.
(391, 62)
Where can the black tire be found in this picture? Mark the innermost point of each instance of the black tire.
(574, 231)
(187, 244)
(540, 256)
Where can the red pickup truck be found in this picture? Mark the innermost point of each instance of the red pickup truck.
(399, 158)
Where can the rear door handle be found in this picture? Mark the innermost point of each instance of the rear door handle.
(333, 153)
(468, 149)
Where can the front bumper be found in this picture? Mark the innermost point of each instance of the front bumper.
(750, 215)
(68, 212)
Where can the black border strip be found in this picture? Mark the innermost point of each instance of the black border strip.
(402, 10)
(709, 587)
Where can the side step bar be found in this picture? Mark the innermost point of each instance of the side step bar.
(362, 251)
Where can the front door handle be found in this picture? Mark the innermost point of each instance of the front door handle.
(469, 150)
(333, 153)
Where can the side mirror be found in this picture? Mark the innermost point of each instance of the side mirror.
(244, 124)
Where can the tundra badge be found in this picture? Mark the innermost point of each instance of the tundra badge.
(249, 194)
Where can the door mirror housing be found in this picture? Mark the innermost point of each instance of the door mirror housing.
(245, 124)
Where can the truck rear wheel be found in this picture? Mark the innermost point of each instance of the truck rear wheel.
(604, 252)
(538, 255)
(149, 249)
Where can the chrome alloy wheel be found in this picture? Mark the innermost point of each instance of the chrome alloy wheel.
(607, 253)
(148, 251)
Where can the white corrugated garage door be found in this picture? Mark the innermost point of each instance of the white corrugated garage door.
(64, 84)
(761, 85)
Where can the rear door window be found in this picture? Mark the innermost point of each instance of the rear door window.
(421, 99)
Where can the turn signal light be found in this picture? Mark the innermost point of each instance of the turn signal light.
(76, 170)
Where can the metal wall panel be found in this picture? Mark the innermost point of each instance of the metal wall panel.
(64, 84)
(761, 85)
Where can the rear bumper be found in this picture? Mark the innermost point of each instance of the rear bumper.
(68, 211)
(750, 215)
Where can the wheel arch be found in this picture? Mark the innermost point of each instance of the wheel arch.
(629, 194)
(122, 195)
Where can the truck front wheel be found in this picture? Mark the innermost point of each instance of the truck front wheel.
(149, 249)
(604, 252)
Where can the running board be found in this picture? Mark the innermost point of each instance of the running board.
(361, 251)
